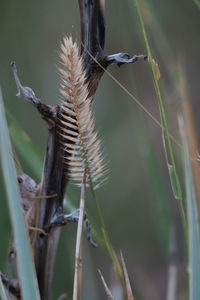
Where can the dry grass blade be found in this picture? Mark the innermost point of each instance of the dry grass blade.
(193, 219)
(81, 145)
(128, 285)
(190, 131)
(107, 290)
(78, 253)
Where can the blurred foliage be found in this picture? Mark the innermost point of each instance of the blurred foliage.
(137, 202)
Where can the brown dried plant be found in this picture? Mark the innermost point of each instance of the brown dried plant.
(81, 146)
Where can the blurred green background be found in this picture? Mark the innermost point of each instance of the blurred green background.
(137, 203)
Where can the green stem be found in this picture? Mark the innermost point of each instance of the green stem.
(165, 126)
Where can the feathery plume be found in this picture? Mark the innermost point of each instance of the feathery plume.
(81, 145)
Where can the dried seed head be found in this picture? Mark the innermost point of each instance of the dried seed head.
(81, 145)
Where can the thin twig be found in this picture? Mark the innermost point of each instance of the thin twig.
(79, 238)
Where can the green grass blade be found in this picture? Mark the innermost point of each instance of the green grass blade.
(25, 264)
(3, 295)
(169, 155)
(193, 223)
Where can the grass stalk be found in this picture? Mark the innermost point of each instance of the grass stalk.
(169, 155)
(79, 241)
(24, 258)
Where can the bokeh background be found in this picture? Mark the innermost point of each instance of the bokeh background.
(140, 211)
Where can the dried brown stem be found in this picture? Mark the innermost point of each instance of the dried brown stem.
(93, 40)
(53, 182)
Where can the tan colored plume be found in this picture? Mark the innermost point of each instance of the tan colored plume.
(82, 148)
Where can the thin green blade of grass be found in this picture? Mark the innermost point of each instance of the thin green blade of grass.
(193, 223)
(3, 295)
(169, 155)
(24, 259)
